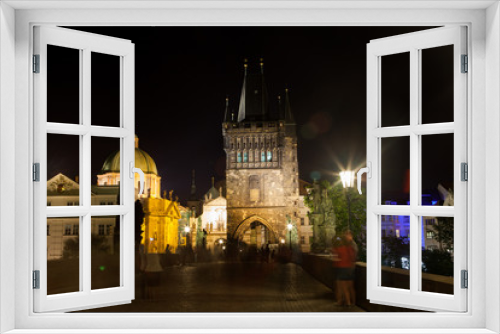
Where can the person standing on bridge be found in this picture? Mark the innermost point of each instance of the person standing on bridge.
(345, 253)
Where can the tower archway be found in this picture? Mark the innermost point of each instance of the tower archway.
(255, 231)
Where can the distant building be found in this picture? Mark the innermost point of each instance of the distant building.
(62, 191)
(110, 173)
(160, 214)
(161, 224)
(304, 226)
(214, 219)
(399, 225)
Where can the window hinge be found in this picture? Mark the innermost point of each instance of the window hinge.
(36, 63)
(36, 172)
(464, 175)
(465, 279)
(36, 279)
(465, 64)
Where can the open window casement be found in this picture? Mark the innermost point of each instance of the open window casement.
(410, 288)
(75, 217)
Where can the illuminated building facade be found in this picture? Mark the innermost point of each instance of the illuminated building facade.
(214, 219)
(261, 167)
(161, 224)
(160, 215)
(110, 173)
(63, 191)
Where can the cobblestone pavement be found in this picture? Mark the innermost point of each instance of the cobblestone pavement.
(233, 287)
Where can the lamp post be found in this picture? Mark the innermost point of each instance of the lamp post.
(347, 178)
(187, 229)
(290, 227)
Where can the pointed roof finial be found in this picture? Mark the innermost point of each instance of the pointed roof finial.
(288, 110)
(262, 65)
(213, 181)
(192, 196)
(226, 111)
(245, 64)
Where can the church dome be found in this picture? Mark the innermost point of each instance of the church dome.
(142, 160)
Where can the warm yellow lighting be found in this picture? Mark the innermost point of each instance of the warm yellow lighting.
(187, 229)
(289, 226)
(347, 178)
(220, 241)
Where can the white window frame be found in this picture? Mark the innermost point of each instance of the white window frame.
(483, 20)
(414, 43)
(85, 43)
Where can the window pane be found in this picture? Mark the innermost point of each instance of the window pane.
(437, 84)
(395, 90)
(437, 254)
(63, 255)
(105, 171)
(63, 85)
(395, 171)
(105, 89)
(437, 169)
(105, 250)
(395, 235)
(63, 168)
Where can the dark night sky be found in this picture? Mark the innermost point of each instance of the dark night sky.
(183, 75)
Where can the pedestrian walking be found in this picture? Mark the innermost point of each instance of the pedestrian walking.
(345, 252)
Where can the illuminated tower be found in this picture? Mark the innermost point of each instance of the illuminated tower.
(261, 167)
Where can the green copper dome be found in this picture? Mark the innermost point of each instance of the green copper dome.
(142, 161)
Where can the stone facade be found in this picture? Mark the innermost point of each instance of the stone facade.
(262, 176)
(268, 191)
(161, 224)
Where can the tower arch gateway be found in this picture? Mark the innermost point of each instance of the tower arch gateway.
(262, 175)
(259, 228)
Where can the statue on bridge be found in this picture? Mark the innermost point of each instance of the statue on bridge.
(322, 216)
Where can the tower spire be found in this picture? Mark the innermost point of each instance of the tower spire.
(192, 196)
(242, 109)
(253, 100)
(227, 114)
(288, 110)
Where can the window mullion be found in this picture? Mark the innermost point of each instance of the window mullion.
(415, 171)
(85, 161)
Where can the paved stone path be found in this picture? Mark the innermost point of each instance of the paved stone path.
(233, 287)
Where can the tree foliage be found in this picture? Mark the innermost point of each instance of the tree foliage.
(341, 197)
(437, 262)
(444, 232)
(394, 249)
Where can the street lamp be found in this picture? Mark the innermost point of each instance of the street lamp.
(187, 229)
(290, 227)
(347, 178)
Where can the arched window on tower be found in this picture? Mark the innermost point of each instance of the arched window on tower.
(269, 156)
(245, 156)
(254, 188)
(239, 157)
(263, 156)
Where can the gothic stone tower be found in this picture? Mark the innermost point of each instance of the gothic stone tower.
(261, 168)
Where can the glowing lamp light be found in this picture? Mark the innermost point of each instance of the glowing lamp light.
(187, 229)
(282, 241)
(220, 241)
(289, 226)
(347, 178)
